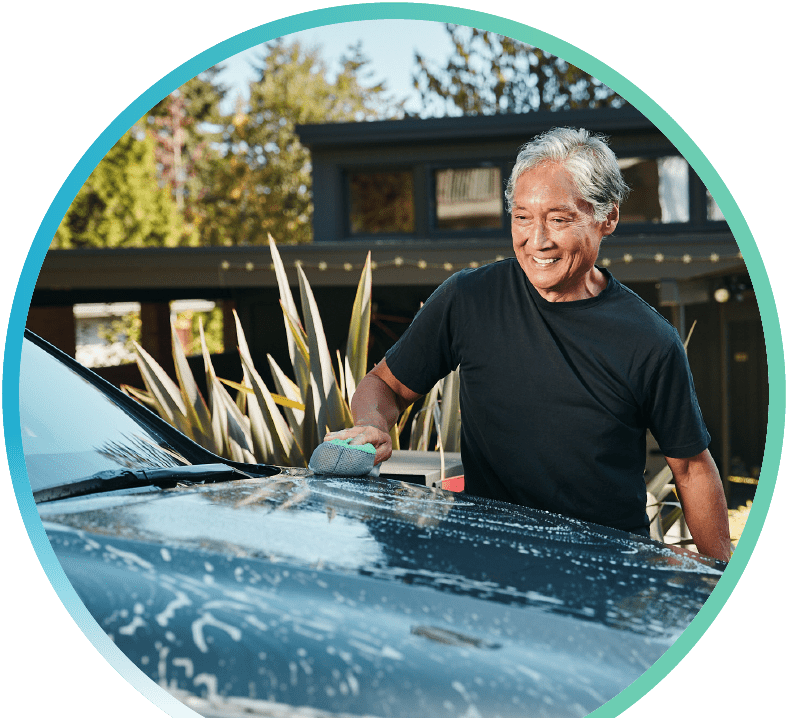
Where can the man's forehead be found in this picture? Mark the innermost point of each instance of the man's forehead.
(554, 181)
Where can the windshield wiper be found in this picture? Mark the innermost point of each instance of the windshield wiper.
(167, 478)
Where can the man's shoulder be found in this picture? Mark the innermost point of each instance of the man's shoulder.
(488, 277)
(643, 321)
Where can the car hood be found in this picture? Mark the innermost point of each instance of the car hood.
(372, 597)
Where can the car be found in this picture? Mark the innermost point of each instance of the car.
(257, 590)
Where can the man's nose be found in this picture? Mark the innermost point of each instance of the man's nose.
(539, 238)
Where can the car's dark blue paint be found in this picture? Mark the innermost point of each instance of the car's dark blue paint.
(297, 595)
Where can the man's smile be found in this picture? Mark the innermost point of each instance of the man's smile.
(545, 262)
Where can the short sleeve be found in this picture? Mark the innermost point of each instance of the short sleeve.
(674, 415)
(424, 353)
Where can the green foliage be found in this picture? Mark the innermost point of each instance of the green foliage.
(186, 175)
(126, 329)
(263, 184)
(284, 427)
(187, 126)
(190, 323)
(490, 74)
(122, 204)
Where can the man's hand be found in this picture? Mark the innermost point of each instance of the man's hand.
(380, 439)
(376, 405)
(703, 500)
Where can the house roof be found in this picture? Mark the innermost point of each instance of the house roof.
(479, 128)
(213, 272)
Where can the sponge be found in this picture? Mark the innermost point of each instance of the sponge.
(339, 457)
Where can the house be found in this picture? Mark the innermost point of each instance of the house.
(425, 197)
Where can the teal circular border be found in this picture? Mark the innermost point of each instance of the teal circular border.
(393, 11)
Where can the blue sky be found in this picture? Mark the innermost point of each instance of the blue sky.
(390, 45)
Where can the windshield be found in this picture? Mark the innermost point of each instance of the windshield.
(71, 429)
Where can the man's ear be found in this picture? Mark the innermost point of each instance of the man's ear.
(610, 222)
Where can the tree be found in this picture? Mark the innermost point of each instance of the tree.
(187, 127)
(187, 175)
(263, 184)
(122, 203)
(490, 74)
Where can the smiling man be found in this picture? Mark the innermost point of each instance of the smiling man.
(562, 368)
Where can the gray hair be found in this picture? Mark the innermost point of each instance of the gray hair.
(587, 158)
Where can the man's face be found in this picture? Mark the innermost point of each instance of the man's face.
(556, 238)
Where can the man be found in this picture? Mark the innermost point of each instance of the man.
(562, 368)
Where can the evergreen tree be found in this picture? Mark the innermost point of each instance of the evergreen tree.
(264, 182)
(490, 74)
(187, 127)
(186, 175)
(122, 203)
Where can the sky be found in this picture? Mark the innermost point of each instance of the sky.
(389, 44)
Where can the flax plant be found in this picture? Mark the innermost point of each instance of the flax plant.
(283, 425)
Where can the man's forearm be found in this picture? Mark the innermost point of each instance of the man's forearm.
(374, 404)
(377, 402)
(703, 500)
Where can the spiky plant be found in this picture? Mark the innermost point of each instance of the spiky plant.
(285, 425)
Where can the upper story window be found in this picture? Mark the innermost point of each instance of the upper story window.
(381, 202)
(659, 190)
(468, 198)
(442, 200)
(713, 211)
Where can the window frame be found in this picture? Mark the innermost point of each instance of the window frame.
(347, 171)
(425, 202)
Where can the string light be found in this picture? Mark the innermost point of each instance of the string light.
(402, 263)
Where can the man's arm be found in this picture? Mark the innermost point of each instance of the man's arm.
(703, 500)
(379, 399)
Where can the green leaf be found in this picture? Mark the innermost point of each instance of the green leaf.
(141, 396)
(280, 400)
(689, 335)
(285, 296)
(294, 409)
(671, 519)
(330, 408)
(450, 412)
(421, 430)
(358, 334)
(301, 363)
(163, 389)
(260, 424)
(219, 425)
(659, 485)
(286, 449)
(197, 412)
(350, 382)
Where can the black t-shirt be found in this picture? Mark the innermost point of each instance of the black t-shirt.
(555, 397)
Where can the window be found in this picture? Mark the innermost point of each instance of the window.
(713, 211)
(468, 198)
(659, 190)
(381, 202)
